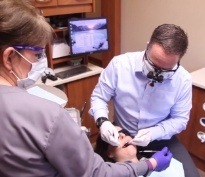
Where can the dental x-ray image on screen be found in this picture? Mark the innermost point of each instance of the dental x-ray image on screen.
(88, 35)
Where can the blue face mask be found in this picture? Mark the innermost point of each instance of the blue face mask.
(37, 69)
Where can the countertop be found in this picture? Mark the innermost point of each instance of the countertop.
(93, 71)
(198, 78)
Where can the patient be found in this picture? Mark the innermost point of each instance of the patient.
(124, 153)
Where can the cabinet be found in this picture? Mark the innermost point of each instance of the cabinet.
(59, 8)
(189, 137)
(111, 9)
(62, 7)
(78, 92)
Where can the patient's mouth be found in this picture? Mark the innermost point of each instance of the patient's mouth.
(126, 144)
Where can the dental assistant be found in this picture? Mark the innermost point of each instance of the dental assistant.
(151, 93)
(38, 137)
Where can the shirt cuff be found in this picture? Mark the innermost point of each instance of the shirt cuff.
(100, 113)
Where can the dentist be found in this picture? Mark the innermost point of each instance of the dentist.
(151, 93)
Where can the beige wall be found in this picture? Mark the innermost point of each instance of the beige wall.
(140, 17)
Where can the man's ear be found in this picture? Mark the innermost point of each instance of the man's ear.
(8, 55)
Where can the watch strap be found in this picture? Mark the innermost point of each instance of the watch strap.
(100, 120)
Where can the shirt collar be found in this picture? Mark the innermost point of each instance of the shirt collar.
(139, 62)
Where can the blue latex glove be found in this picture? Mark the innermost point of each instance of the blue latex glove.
(163, 159)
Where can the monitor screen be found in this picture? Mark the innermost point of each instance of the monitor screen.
(87, 35)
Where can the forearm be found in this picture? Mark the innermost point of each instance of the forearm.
(99, 104)
(103, 92)
(61, 151)
(169, 127)
(119, 169)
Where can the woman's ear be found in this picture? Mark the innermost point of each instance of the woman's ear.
(8, 55)
(110, 154)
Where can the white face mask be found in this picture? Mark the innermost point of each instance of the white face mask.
(37, 69)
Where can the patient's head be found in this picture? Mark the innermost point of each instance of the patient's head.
(117, 154)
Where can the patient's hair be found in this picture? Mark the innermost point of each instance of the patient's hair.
(101, 148)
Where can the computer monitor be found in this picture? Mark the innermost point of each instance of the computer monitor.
(88, 35)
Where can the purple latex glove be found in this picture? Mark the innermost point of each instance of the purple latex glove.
(163, 159)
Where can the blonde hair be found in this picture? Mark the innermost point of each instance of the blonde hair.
(22, 24)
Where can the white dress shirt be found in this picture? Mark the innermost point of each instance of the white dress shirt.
(165, 108)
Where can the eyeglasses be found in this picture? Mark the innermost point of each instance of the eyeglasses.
(24, 47)
(124, 131)
(40, 50)
(158, 68)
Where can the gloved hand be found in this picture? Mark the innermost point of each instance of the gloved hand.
(109, 133)
(163, 159)
(143, 138)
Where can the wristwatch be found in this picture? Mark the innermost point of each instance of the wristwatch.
(100, 120)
